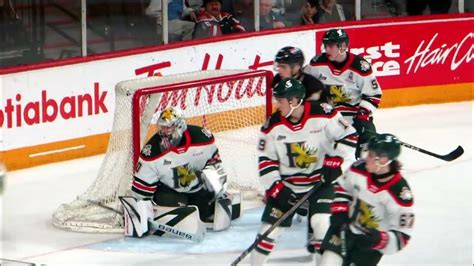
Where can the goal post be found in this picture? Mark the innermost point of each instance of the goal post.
(233, 104)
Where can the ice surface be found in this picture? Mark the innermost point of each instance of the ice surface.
(442, 190)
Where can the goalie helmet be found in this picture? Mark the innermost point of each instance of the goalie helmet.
(173, 118)
(290, 55)
(385, 145)
(289, 88)
(337, 36)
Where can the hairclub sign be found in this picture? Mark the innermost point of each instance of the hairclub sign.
(419, 53)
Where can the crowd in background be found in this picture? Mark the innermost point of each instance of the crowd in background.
(33, 32)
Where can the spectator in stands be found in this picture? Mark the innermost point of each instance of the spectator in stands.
(309, 13)
(268, 18)
(214, 22)
(436, 6)
(331, 11)
(178, 29)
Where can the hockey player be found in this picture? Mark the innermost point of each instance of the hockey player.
(353, 88)
(373, 207)
(179, 182)
(301, 144)
(289, 62)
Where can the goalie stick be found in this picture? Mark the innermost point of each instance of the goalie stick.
(157, 226)
(277, 223)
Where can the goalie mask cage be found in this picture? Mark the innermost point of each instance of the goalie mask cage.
(233, 104)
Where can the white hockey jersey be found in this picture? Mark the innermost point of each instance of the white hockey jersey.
(382, 206)
(294, 152)
(352, 84)
(178, 167)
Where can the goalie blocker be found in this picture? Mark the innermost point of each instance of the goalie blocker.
(142, 217)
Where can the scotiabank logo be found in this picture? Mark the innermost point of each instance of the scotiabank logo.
(17, 113)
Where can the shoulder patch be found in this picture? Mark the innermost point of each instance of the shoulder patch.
(321, 108)
(152, 147)
(199, 134)
(322, 58)
(402, 192)
(361, 65)
(146, 151)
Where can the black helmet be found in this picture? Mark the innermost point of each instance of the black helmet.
(385, 145)
(289, 88)
(337, 36)
(290, 55)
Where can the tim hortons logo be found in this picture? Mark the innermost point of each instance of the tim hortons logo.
(213, 94)
(458, 53)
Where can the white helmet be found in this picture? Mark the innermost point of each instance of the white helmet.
(172, 117)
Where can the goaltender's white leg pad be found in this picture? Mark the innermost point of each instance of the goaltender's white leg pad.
(178, 221)
(136, 214)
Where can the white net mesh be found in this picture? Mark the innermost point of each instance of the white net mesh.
(233, 109)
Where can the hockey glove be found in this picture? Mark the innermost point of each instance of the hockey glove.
(363, 121)
(372, 239)
(284, 196)
(331, 169)
(340, 214)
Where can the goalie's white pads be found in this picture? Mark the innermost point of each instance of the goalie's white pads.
(226, 209)
(183, 222)
(136, 214)
(214, 178)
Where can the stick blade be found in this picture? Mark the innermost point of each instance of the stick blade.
(454, 154)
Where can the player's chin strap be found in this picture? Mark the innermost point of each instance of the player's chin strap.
(293, 108)
(379, 166)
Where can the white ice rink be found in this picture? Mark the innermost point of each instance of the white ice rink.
(442, 190)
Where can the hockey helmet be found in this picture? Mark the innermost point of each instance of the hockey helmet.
(290, 55)
(289, 88)
(337, 36)
(173, 117)
(386, 145)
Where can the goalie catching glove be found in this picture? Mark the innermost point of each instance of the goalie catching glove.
(215, 178)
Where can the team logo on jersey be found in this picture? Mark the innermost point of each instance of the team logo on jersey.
(185, 175)
(364, 65)
(338, 94)
(300, 155)
(406, 194)
(146, 150)
(327, 108)
(366, 216)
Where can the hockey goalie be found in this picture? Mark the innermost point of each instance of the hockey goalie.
(179, 185)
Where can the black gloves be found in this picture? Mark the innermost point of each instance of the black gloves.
(372, 239)
(282, 195)
(363, 121)
(331, 169)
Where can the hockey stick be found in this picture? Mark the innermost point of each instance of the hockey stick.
(456, 153)
(453, 155)
(277, 223)
(157, 226)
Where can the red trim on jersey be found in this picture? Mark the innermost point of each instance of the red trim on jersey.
(347, 66)
(303, 179)
(265, 164)
(143, 187)
(338, 188)
(339, 207)
(372, 187)
(179, 149)
(304, 119)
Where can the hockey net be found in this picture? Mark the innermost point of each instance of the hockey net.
(233, 104)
